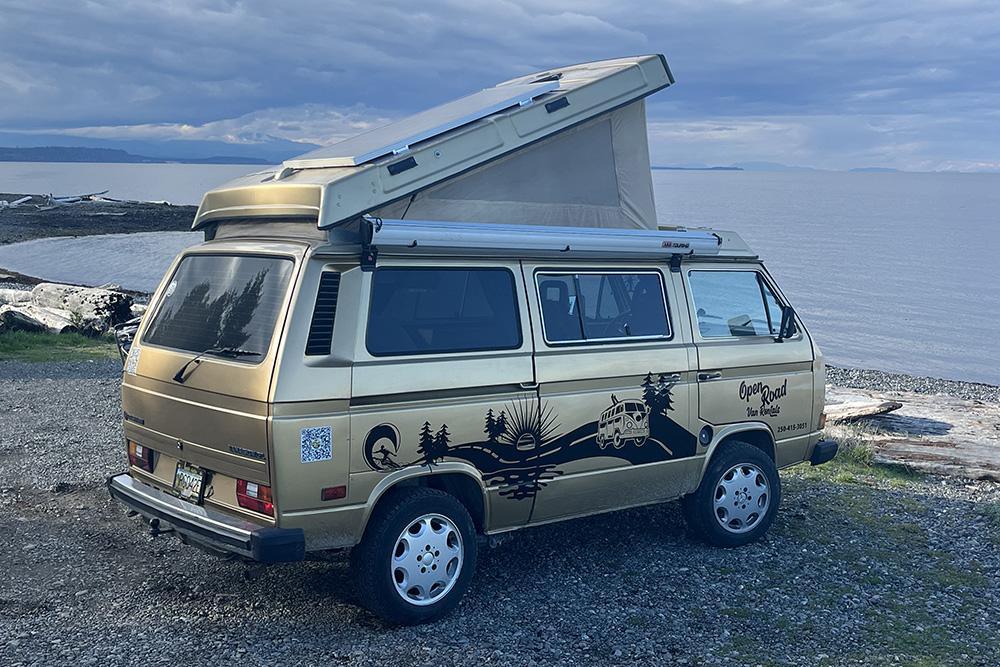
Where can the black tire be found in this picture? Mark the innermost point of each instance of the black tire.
(699, 507)
(371, 560)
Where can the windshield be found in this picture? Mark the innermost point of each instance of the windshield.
(221, 302)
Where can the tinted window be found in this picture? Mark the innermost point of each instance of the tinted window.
(420, 311)
(734, 303)
(602, 306)
(215, 301)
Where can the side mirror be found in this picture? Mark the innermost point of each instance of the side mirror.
(787, 328)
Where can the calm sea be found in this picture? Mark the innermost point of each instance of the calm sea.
(898, 272)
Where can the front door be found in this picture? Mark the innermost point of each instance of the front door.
(744, 374)
(614, 388)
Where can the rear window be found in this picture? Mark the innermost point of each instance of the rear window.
(423, 311)
(221, 301)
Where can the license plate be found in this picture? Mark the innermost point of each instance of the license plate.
(188, 480)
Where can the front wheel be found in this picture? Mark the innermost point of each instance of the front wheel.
(737, 499)
(417, 557)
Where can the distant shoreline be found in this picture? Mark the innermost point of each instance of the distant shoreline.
(76, 155)
(659, 168)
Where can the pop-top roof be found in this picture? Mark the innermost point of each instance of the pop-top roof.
(396, 138)
(565, 146)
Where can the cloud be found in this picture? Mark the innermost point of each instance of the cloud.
(823, 83)
(311, 123)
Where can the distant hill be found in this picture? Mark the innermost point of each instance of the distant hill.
(771, 166)
(249, 149)
(875, 170)
(733, 168)
(78, 154)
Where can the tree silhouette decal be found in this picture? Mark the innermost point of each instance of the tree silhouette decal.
(426, 449)
(501, 423)
(649, 392)
(490, 429)
(664, 395)
(441, 442)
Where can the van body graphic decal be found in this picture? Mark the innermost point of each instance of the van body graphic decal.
(524, 447)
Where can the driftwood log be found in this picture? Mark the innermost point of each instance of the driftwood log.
(87, 303)
(934, 433)
(56, 308)
(29, 317)
(8, 296)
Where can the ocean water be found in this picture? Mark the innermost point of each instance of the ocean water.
(133, 261)
(897, 272)
(175, 183)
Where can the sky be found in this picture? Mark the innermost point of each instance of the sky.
(906, 84)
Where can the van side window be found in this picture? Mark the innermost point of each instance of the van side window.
(734, 303)
(602, 306)
(423, 311)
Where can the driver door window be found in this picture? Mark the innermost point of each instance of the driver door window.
(733, 304)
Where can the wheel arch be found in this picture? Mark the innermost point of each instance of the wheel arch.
(460, 480)
(757, 435)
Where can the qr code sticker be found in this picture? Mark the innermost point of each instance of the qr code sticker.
(316, 444)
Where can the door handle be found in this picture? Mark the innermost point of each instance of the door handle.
(673, 377)
(705, 377)
(528, 386)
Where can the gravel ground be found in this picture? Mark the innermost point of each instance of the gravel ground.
(889, 571)
(884, 381)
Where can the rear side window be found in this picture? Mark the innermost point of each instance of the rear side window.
(734, 303)
(423, 311)
(602, 306)
(221, 301)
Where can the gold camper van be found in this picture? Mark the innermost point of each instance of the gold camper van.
(458, 325)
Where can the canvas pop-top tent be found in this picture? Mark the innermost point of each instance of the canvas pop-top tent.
(564, 147)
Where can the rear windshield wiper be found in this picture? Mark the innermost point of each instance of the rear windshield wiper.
(232, 352)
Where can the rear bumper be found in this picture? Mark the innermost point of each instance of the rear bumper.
(207, 527)
(824, 451)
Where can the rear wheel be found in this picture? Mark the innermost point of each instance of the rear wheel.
(417, 557)
(737, 499)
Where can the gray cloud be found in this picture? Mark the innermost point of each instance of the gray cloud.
(908, 83)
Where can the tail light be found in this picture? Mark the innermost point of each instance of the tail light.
(822, 420)
(139, 456)
(253, 496)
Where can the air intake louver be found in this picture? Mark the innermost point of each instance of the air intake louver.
(321, 329)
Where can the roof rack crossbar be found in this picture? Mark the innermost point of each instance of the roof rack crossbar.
(462, 238)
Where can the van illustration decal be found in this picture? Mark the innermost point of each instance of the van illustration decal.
(524, 448)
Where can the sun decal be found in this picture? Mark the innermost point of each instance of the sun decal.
(527, 425)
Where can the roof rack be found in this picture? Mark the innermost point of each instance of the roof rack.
(460, 238)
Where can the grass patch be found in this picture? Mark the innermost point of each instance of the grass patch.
(25, 346)
(855, 461)
(991, 515)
